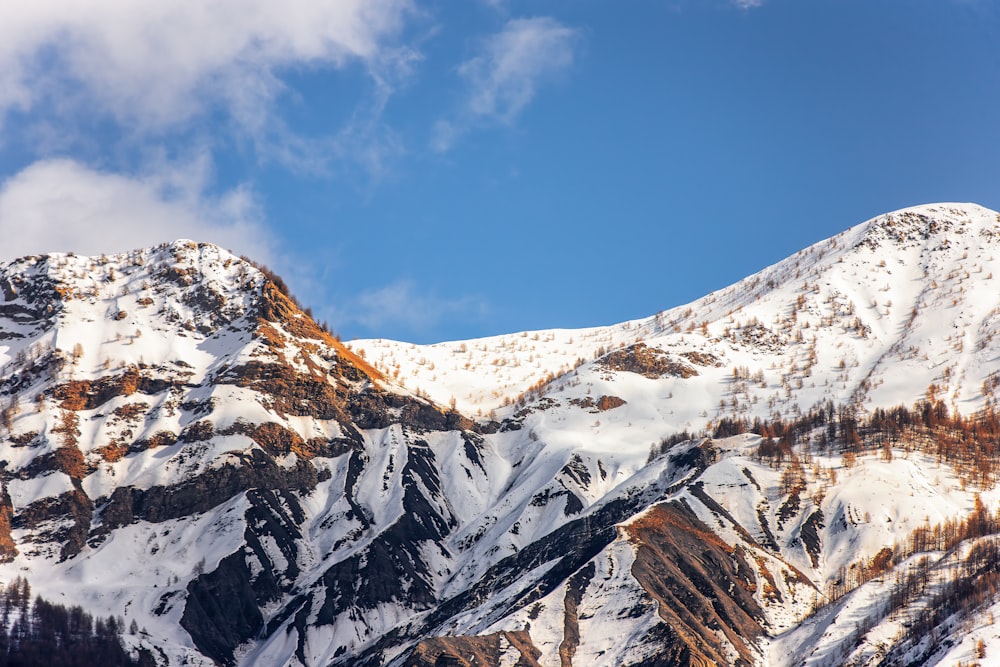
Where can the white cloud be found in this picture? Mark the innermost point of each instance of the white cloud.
(155, 65)
(748, 4)
(62, 205)
(503, 79)
(401, 305)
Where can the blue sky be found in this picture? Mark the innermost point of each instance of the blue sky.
(432, 170)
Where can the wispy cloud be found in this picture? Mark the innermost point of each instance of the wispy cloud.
(747, 4)
(499, 5)
(62, 205)
(401, 305)
(505, 76)
(156, 65)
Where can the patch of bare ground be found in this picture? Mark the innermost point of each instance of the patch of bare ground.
(474, 651)
(90, 394)
(690, 573)
(647, 361)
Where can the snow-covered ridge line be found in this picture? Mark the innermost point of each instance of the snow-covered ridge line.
(172, 426)
(867, 282)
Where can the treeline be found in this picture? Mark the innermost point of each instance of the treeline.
(970, 585)
(949, 587)
(663, 446)
(971, 444)
(37, 632)
(939, 537)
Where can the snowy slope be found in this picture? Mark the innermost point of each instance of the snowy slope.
(183, 447)
(902, 301)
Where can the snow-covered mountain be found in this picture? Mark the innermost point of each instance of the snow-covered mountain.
(183, 448)
(871, 316)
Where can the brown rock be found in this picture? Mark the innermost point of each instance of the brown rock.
(646, 361)
(473, 651)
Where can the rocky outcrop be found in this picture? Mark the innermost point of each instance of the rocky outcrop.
(810, 535)
(575, 588)
(647, 361)
(495, 649)
(224, 607)
(703, 586)
(221, 611)
(256, 470)
(290, 503)
(292, 393)
(7, 547)
(90, 394)
(394, 565)
(63, 520)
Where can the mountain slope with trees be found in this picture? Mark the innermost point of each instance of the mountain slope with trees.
(798, 469)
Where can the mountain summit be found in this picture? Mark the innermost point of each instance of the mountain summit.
(872, 316)
(797, 469)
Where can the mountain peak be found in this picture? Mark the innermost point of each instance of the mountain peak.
(854, 298)
(918, 224)
(173, 425)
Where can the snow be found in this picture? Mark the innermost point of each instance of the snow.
(23, 492)
(862, 277)
(870, 318)
(136, 568)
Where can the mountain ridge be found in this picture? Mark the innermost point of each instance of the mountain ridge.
(184, 447)
(906, 230)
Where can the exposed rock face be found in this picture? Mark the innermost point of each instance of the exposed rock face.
(575, 588)
(184, 448)
(646, 361)
(255, 470)
(223, 607)
(357, 545)
(63, 520)
(87, 394)
(811, 536)
(691, 573)
(283, 414)
(7, 547)
(605, 403)
(495, 649)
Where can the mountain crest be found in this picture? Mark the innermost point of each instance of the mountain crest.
(734, 481)
(917, 224)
